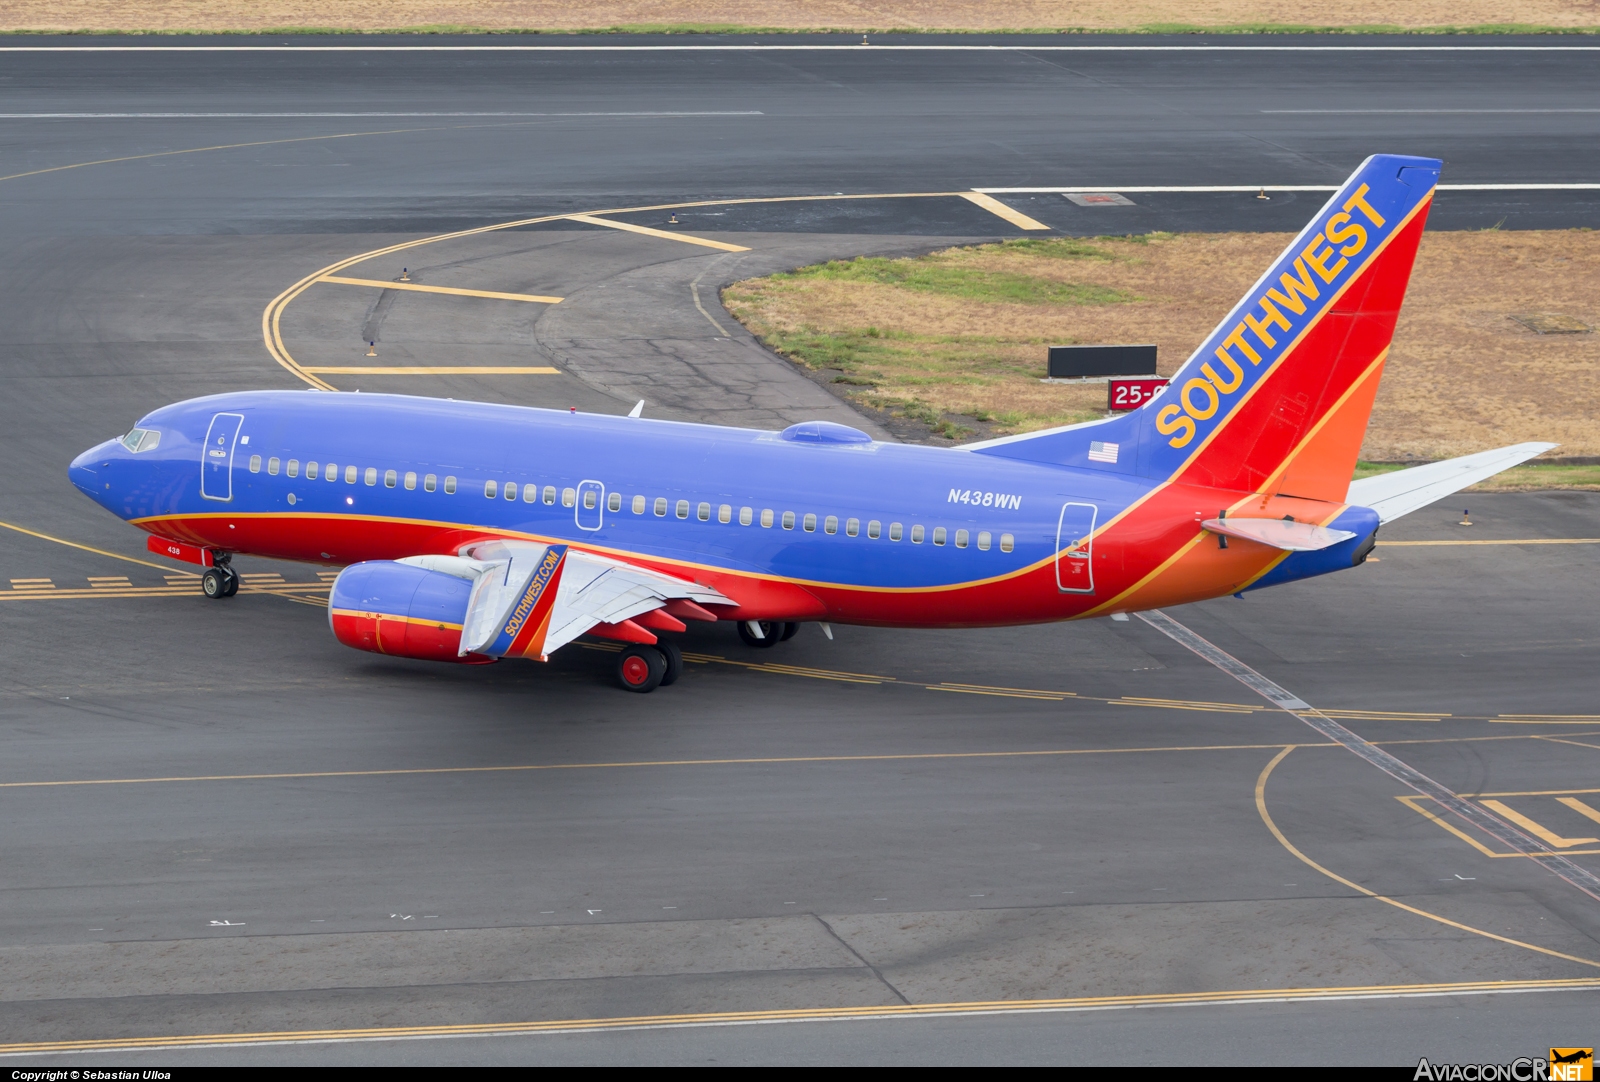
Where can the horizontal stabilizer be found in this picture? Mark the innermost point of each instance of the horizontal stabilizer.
(1280, 533)
(1404, 491)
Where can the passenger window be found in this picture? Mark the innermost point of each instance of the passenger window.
(766, 518)
(550, 494)
(638, 505)
(390, 478)
(661, 507)
(568, 497)
(311, 471)
(255, 463)
(372, 475)
(272, 466)
(852, 527)
(788, 520)
(530, 493)
(983, 540)
(961, 539)
(490, 490)
(411, 481)
(511, 490)
(449, 486)
(894, 531)
(746, 516)
(830, 524)
(810, 524)
(1007, 542)
(332, 472)
(614, 502)
(938, 535)
(725, 513)
(916, 535)
(349, 475)
(683, 508)
(874, 529)
(430, 482)
(589, 499)
(293, 468)
(703, 512)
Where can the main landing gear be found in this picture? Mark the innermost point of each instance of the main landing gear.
(220, 580)
(644, 668)
(772, 632)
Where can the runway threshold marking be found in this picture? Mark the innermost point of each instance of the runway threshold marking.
(418, 287)
(1001, 210)
(629, 227)
(809, 1014)
(434, 370)
(1480, 819)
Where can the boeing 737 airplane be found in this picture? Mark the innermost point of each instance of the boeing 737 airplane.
(473, 532)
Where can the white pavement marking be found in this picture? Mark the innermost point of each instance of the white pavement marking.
(1000, 210)
(1409, 776)
(249, 116)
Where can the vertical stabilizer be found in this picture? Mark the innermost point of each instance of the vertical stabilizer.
(1276, 399)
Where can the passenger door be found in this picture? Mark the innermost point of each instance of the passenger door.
(216, 457)
(1075, 548)
(591, 507)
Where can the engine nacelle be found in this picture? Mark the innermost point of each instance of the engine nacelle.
(401, 610)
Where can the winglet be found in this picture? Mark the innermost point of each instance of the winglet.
(637, 410)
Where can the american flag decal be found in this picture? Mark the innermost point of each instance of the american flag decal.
(1102, 452)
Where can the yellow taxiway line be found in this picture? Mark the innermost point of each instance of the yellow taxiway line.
(418, 287)
(435, 370)
(1001, 210)
(629, 227)
(810, 1014)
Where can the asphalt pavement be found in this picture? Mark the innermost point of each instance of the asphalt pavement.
(221, 822)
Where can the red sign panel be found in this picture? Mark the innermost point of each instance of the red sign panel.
(1130, 394)
(177, 550)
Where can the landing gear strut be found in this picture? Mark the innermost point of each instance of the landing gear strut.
(220, 580)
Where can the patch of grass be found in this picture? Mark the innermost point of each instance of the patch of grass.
(1536, 478)
(108, 28)
(928, 275)
(1528, 478)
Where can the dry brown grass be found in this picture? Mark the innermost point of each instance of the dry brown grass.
(1462, 376)
(216, 15)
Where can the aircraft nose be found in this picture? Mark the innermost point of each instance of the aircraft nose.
(90, 472)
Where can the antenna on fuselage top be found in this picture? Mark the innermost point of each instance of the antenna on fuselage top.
(638, 410)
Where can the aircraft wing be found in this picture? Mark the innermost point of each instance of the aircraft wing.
(529, 600)
(1404, 491)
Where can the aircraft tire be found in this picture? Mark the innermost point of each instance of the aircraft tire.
(640, 668)
(674, 658)
(233, 581)
(214, 584)
(771, 634)
(789, 631)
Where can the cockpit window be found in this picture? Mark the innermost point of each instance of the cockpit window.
(142, 439)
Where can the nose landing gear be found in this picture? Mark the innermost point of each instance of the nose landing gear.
(220, 580)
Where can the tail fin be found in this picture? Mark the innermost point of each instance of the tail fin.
(1276, 399)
